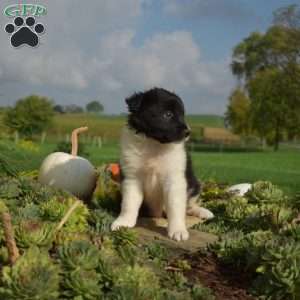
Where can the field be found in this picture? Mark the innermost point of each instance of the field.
(109, 127)
(259, 231)
(282, 168)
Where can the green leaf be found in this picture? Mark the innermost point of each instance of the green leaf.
(33, 277)
(34, 233)
(79, 254)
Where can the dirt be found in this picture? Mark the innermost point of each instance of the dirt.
(224, 282)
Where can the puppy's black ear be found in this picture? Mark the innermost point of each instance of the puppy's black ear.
(134, 102)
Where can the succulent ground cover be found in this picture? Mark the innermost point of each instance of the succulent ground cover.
(81, 258)
(257, 254)
(259, 239)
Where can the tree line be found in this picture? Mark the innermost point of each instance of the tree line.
(266, 101)
(91, 107)
(33, 114)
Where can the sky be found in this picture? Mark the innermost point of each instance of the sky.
(106, 50)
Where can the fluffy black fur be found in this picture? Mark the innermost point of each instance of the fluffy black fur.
(159, 114)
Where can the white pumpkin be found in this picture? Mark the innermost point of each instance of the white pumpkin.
(240, 189)
(70, 172)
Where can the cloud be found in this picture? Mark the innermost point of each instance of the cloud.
(98, 57)
(230, 10)
(72, 30)
(171, 59)
(61, 69)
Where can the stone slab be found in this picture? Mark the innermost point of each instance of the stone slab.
(155, 229)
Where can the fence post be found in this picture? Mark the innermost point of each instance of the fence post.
(43, 137)
(16, 136)
(99, 140)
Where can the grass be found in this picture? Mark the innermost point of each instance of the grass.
(21, 159)
(206, 120)
(221, 134)
(109, 126)
(282, 168)
(105, 126)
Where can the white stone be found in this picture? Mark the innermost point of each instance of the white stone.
(240, 189)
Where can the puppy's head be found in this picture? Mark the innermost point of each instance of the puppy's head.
(159, 114)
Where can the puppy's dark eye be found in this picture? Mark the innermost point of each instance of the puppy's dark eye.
(168, 115)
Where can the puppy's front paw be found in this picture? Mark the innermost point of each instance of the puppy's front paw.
(122, 222)
(178, 234)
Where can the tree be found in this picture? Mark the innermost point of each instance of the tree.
(94, 106)
(74, 109)
(59, 109)
(279, 47)
(31, 115)
(247, 57)
(268, 68)
(270, 110)
(238, 112)
(287, 16)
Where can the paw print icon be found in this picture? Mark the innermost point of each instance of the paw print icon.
(24, 32)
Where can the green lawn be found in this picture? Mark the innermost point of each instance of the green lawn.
(206, 120)
(282, 168)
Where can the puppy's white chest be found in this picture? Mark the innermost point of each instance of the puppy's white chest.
(152, 177)
(151, 166)
(155, 165)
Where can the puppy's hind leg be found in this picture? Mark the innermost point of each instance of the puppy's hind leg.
(193, 209)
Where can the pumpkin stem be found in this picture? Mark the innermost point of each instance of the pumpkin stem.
(12, 248)
(74, 139)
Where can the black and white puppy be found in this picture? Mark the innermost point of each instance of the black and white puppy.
(156, 168)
